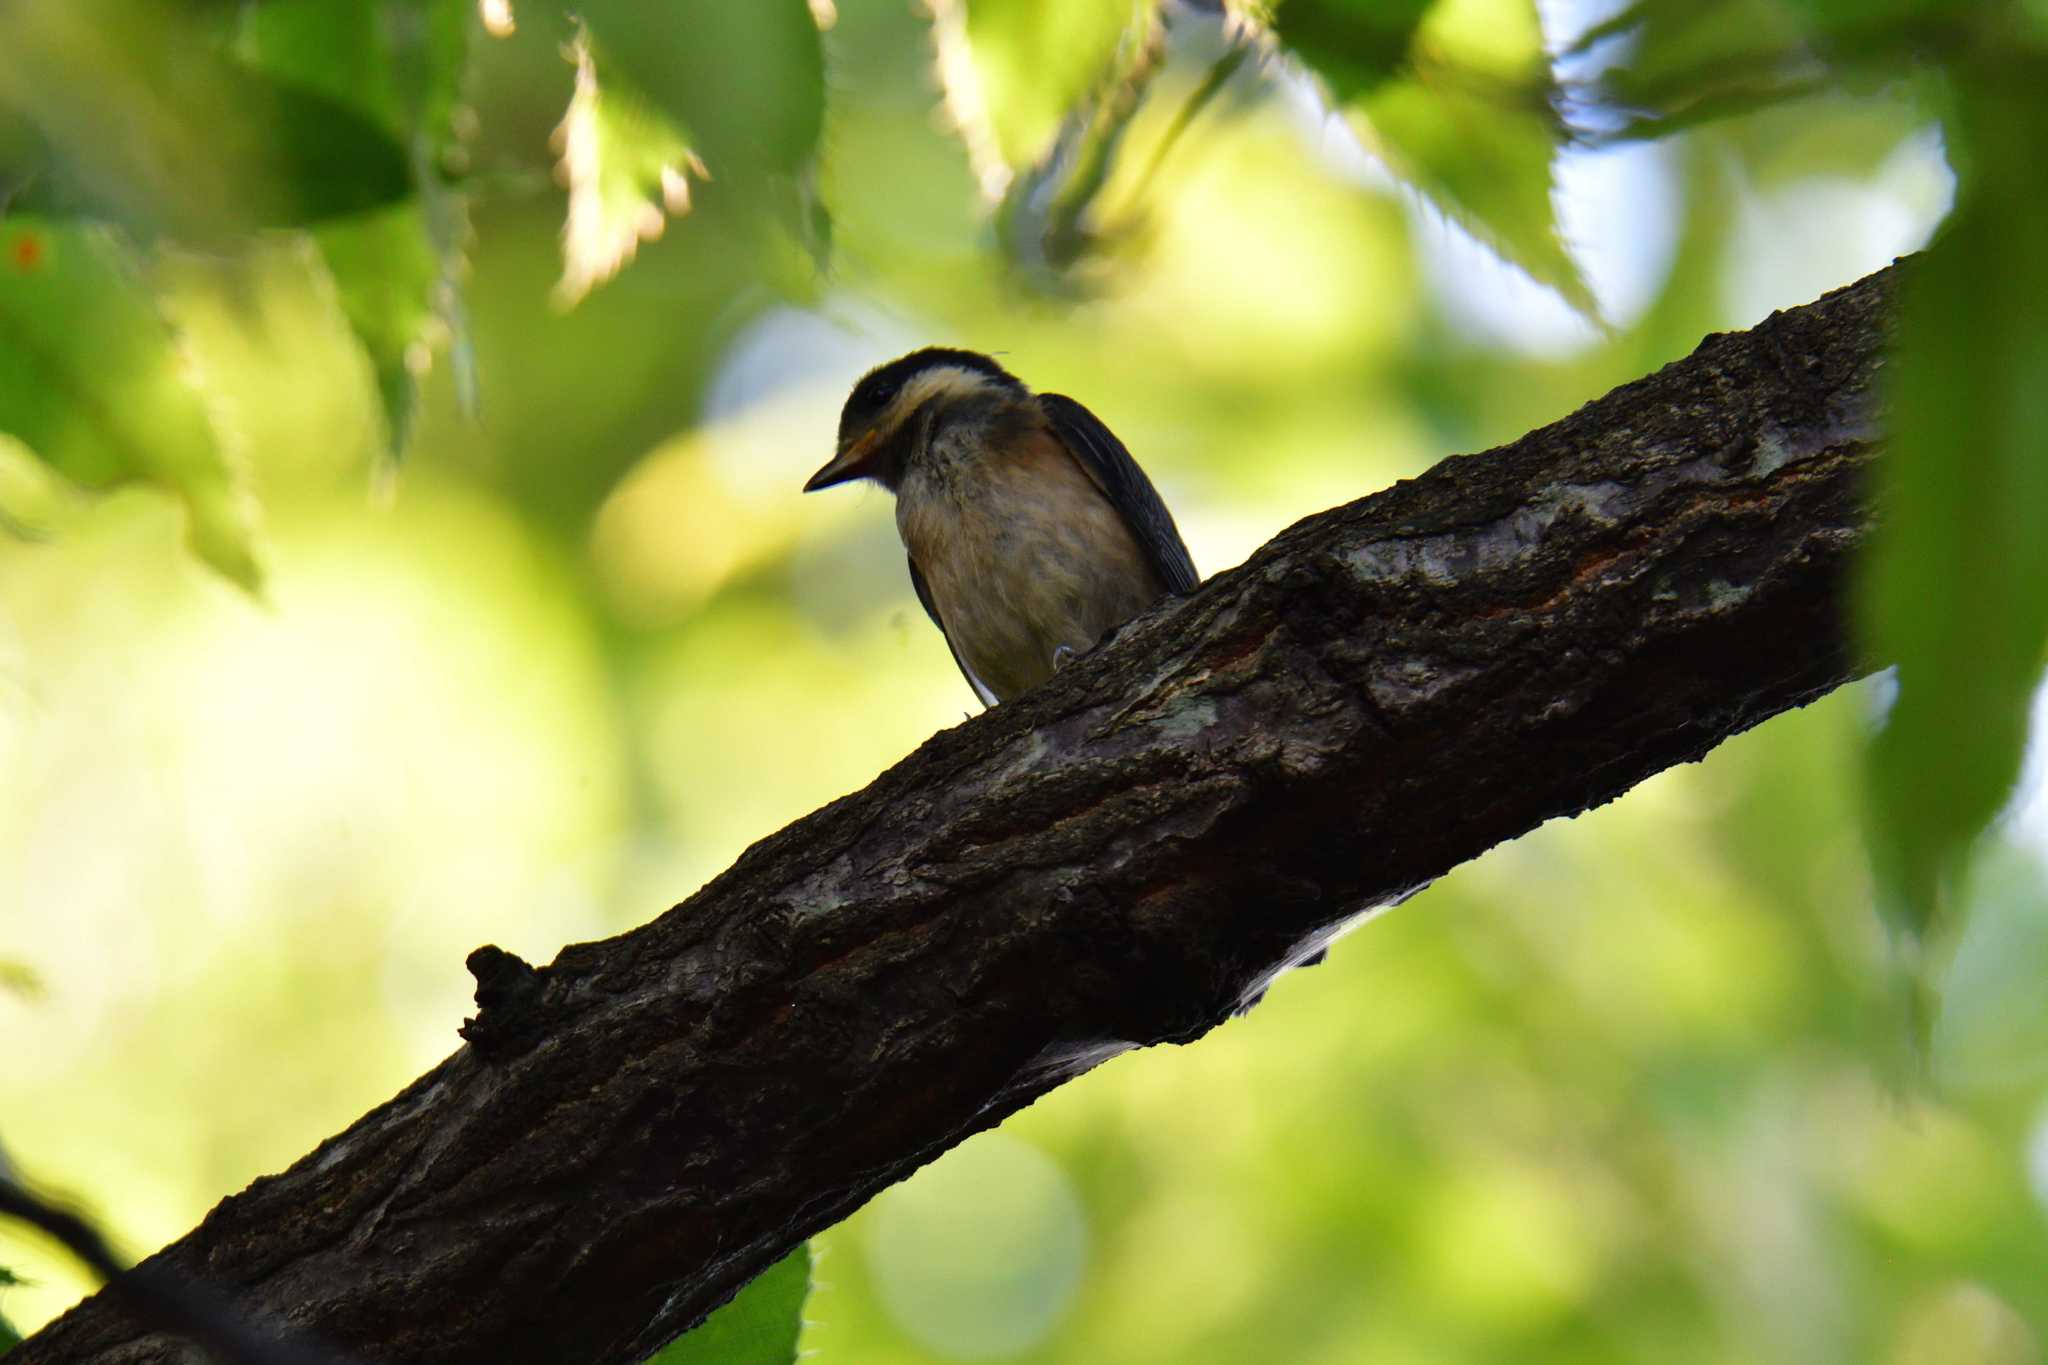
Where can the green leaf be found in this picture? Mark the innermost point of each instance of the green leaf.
(1891, 23)
(1042, 94)
(1014, 71)
(1457, 98)
(1042, 220)
(627, 168)
(399, 63)
(1354, 45)
(1692, 61)
(91, 381)
(296, 159)
(35, 500)
(1689, 43)
(730, 95)
(1956, 590)
(759, 1327)
(386, 274)
(9, 1337)
(743, 83)
(135, 113)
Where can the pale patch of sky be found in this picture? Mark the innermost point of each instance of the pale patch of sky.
(799, 363)
(1619, 208)
(786, 347)
(1617, 212)
(1796, 242)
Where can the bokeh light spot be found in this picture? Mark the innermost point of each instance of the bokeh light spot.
(1963, 1324)
(979, 1255)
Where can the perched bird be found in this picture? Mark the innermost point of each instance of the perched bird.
(1032, 532)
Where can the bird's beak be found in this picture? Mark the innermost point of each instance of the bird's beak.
(849, 463)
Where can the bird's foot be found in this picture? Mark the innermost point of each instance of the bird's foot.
(1066, 654)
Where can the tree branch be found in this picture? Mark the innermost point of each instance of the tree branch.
(1117, 859)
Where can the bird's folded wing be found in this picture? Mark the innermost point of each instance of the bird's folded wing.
(1112, 469)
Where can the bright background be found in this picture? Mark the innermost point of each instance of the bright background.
(1624, 1090)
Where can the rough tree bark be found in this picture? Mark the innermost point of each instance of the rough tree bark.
(1117, 859)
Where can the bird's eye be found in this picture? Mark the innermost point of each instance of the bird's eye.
(882, 394)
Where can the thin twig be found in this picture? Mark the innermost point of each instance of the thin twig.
(159, 1298)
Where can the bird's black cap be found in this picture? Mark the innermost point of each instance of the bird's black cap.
(879, 386)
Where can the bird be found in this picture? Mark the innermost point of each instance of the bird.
(1032, 535)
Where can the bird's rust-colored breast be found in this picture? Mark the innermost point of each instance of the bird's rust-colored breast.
(1023, 555)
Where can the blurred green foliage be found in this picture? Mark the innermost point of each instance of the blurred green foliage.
(1028, 65)
(398, 64)
(1611, 1093)
(178, 135)
(1959, 586)
(92, 382)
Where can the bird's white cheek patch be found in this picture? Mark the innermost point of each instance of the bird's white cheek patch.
(945, 382)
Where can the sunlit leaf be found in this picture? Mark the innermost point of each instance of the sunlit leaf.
(696, 99)
(1957, 590)
(759, 1327)
(398, 62)
(91, 381)
(1457, 98)
(1042, 95)
(1014, 71)
(386, 274)
(746, 83)
(627, 168)
(1042, 219)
